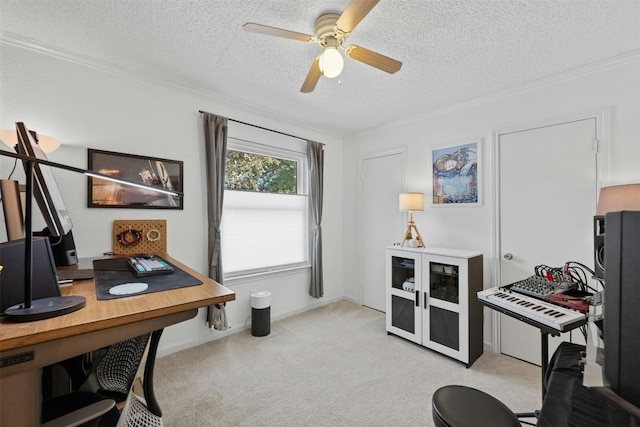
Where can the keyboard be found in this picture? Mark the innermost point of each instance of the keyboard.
(551, 315)
(149, 265)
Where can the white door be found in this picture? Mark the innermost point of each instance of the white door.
(381, 222)
(547, 194)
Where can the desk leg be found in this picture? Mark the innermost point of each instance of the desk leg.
(544, 358)
(20, 399)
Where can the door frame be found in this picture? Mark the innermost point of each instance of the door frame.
(402, 150)
(601, 149)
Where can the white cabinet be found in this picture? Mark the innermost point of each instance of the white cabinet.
(431, 299)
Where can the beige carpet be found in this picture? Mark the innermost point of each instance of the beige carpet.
(332, 366)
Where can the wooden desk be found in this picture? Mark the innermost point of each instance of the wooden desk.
(25, 348)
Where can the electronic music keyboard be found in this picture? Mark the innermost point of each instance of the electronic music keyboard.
(551, 315)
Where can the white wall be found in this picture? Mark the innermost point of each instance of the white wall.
(90, 108)
(613, 86)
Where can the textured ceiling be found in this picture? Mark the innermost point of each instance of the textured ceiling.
(452, 50)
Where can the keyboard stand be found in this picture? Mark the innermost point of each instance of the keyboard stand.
(545, 331)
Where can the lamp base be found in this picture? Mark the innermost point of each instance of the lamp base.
(44, 308)
(409, 236)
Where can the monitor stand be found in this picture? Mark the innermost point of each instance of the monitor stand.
(63, 247)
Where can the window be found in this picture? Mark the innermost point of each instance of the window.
(265, 221)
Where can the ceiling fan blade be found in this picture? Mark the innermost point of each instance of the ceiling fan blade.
(312, 77)
(277, 32)
(354, 13)
(374, 59)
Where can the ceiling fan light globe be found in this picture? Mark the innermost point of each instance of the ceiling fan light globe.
(331, 62)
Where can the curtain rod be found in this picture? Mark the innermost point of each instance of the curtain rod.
(260, 127)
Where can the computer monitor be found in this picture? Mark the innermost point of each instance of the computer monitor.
(49, 200)
(46, 191)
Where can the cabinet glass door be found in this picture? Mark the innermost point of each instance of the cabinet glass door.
(404, 276)
(403, 273)
(446, 303)
(443, 282)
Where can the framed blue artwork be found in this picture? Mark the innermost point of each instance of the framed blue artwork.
(456, 174)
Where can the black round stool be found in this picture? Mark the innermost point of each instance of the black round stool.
(460, 406)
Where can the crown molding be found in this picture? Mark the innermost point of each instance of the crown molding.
(595, 67)
(19, 41)
(16, 40)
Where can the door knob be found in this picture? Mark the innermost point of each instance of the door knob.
(508, 256)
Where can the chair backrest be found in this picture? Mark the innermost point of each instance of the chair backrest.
(142, 409)
(117, 369)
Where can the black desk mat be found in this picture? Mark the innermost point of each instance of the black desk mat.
(116, 271)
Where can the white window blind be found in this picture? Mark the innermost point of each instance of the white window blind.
(263, 232)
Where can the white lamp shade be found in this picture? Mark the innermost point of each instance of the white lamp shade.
(618, 198)
(411, 202)
(46, 143)
(331, 62)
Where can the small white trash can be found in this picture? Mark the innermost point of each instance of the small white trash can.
(260, 313)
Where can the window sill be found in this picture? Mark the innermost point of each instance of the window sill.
(248, 277)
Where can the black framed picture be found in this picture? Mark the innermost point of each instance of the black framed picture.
(161, 173)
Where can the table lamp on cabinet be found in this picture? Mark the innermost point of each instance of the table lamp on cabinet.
(412, 202)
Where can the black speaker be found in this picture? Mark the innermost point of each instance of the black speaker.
(12, 281)
(598, 247)
(622, 305)
(63, 247)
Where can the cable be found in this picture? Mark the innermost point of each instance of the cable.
(15, 163)
(56, 243)
(129, 237)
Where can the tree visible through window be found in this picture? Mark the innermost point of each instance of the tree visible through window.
(255, 172)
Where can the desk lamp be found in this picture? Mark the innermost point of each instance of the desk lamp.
(46, 308)
(410, 202)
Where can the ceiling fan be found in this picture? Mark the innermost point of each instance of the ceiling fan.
(331, 31)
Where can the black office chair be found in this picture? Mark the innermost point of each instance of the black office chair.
(461, 406)
(115, 377)
(114, 374)
(141, 408)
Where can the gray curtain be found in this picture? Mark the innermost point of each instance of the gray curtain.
(315, 158)
(215, 140)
